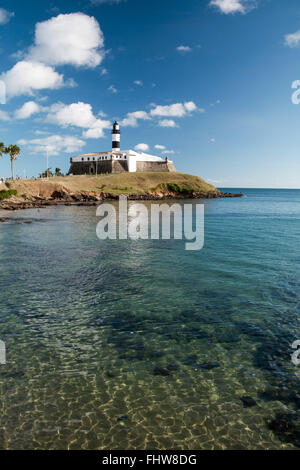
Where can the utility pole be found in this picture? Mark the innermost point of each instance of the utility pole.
(47, 164)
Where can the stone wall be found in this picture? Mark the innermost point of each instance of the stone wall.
(89, 168)
(117, 166)
(155, 166)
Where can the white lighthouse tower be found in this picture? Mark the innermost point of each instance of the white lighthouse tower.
(117, 161)
(116, 137)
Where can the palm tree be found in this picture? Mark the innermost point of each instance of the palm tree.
(13, 151)
(46, 174)
(58, 172)
(2, 149)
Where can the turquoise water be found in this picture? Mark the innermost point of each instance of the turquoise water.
(170, 341)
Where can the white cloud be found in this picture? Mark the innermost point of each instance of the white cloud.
(233, 6)
(5, 16)
(167, 123)
(73, 38)
(190, 106)
(183, 49)
(174, 110)
(78, 115)
(4, 116)
(215, 103)
(96, 131)
(292, 40)
(160, 147)
(104, 71)
(131, 119)
(138, 82)
(170, 152)
(112, 89)
(27, 77)
(213, 139)
(38, 132)
(27, 110)
(54, 144)
(142, 147)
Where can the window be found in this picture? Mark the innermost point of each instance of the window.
(88, 159)
(82, 159)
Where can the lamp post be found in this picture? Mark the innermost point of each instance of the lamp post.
(47, 164)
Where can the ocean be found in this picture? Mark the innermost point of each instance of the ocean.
(140, 344)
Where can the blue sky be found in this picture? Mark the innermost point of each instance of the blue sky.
(209, 82)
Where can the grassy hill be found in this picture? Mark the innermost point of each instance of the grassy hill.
(123, 183)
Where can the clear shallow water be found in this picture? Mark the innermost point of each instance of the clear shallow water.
(86, 322)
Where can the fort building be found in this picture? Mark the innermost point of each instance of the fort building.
(118, 161)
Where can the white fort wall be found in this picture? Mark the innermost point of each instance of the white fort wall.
(130, 156)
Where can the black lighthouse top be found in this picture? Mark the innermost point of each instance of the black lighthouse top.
(116, 128)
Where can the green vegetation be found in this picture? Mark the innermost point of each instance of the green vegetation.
(50, 174)
(2, 149)
(8, 193)
(119, 190)
(24, 196)
(121, 183)
(176, 188)
(136, 183)
(13, 151)
(47, 174)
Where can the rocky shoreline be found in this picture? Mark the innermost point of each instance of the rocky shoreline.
(93, 199)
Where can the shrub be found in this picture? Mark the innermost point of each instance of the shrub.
(7, 193)
(178, 189)
(24, 196)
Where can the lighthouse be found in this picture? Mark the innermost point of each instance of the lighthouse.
(117, 161)
(116, 137)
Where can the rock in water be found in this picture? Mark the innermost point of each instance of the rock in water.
(248, 402)
(173, 367)
(287, 427)
(122, 418)
(190, 359)
(161, 371)
(207, 365)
